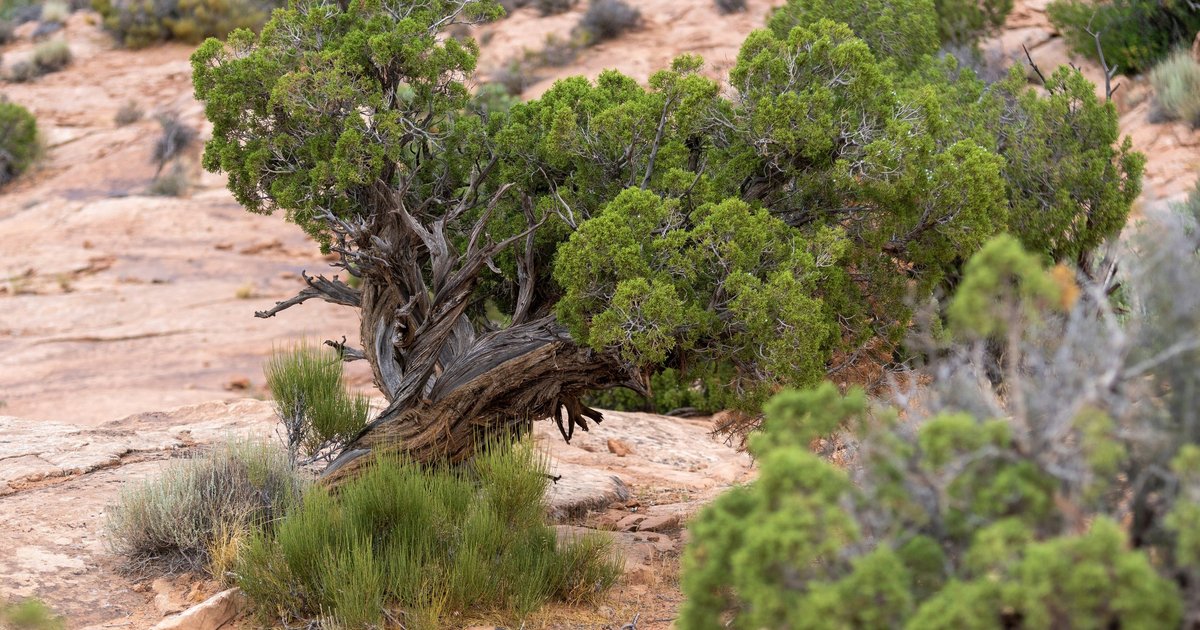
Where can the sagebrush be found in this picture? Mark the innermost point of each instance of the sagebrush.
(175, 520)
(1176, 83)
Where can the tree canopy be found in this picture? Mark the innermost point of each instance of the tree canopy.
(772, 226)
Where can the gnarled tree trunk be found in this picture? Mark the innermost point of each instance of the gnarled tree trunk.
(451, 382)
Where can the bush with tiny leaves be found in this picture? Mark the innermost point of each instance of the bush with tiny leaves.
(18, 140)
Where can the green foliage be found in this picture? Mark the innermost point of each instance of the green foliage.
(972, 512)
(18, 140)
(756, 237)
(1134, 34)
(233, 488)
(317, 412)
(1070, 185)
(903, 31)
(966, 21)
(30, 614)
(1000, 275)
(431, 543)
(1176, 82)
(141, 23)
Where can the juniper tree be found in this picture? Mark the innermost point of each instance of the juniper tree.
(512, 262)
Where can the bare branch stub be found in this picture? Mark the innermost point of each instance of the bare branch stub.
(1033, 65)
(1109, 73)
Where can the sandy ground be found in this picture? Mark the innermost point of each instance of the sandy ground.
(116, 305)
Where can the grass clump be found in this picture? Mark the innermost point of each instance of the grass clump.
(608, 19)
(317, 413)
(18, 140)
(30, 614)
(1176, 83)
(424, 544)
(200, 504)
(51, 56)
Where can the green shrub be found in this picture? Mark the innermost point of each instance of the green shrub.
(29, 614)
(1176, 82)
(141, 23)
(22, 71)
(1052, 484)
(558, 51)
(317, 413)
(1135, 34)
(725, 7)
(51, 56)
(904, 31)
(607, 19)
(703, 390)
(18, 140)
(426, 542)
(229, 490)
(962, 22)
(515, 76)
(553, 7)
(490, 99)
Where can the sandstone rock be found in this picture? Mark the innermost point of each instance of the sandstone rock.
(211, 614)
(167, 601)
(630, 523)
(659, 523)
(618, 447)
(580, 489)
